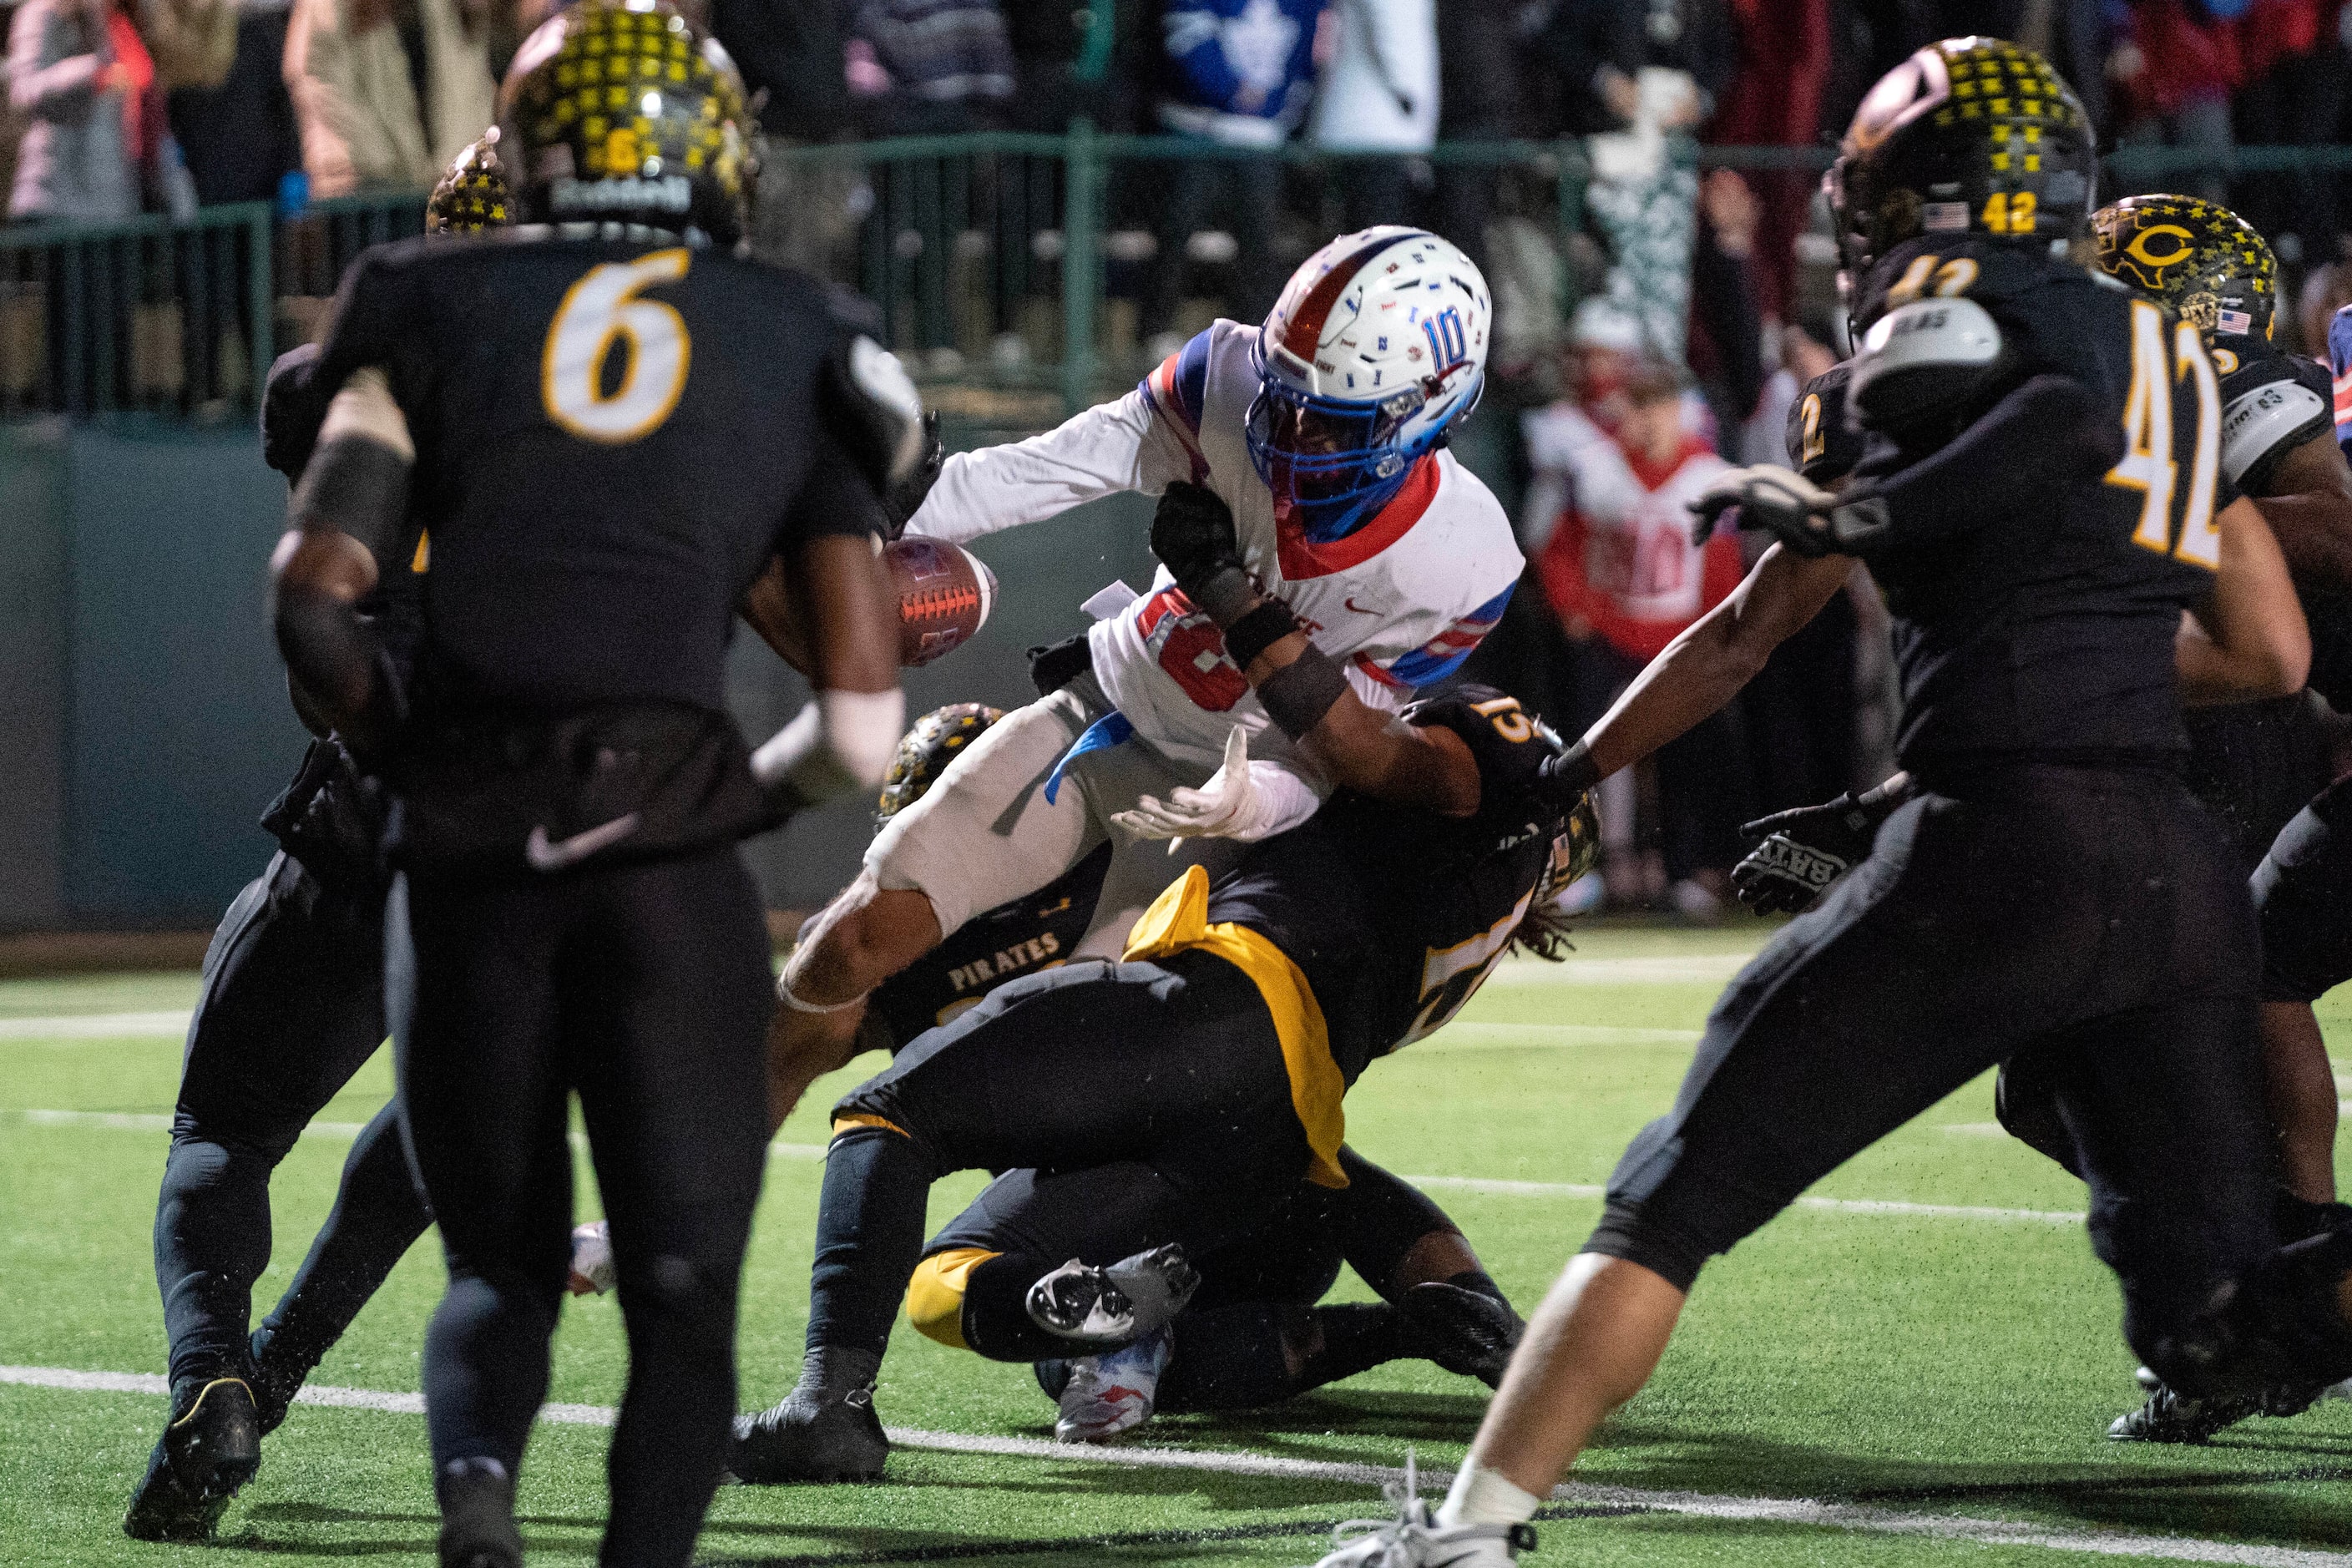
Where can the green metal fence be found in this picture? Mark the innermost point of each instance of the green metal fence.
(1031, 264)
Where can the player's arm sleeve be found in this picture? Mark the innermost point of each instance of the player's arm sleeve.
(1143, 441)
(837, 496)
(293, 405)
(379, 320)
(2261, 426)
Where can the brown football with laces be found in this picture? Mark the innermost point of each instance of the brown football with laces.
(944, 593)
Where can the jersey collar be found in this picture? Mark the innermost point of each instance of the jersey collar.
(1301, 557)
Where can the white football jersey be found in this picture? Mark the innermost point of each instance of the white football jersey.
(1399, 603)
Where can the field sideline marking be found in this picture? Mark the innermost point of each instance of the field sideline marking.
(1761, 1510)
(139, 1122)
(96, 1026)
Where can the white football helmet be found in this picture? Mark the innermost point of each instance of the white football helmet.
(1378, 343)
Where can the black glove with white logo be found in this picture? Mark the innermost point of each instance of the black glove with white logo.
(1789, 507)
(1799, 854)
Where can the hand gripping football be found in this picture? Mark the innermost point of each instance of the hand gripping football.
(944, 593)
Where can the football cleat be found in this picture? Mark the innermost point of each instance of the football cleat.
(210, 1449)
(592, 1259)
(1467, 1332)
(1415, 1540)
(1109, 1395)
(811, 1435)
(478, 1522)
(275, 1384)
(2173, 1417)
(1132, 1298)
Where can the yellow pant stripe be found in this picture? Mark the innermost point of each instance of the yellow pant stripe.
(935, 1294)
(842, 1125)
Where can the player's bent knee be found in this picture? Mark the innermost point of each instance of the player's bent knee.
(935, 1294)
(1625, 1233)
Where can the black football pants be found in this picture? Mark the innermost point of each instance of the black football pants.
(292, 1006)
(2086, 914)
(2302, 894)
(1132, 1105)
(644, 989)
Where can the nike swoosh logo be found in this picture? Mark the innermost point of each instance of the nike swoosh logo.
(1350, 602)
(554, 856)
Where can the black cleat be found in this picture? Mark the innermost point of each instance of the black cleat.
(1467, 1332)
(810, 1435)
(2173, 1417)
(1117, 1305)
(478, 1522)
(275, 1384)
(211, 1449)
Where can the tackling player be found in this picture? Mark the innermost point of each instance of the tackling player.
(1202, 1079)
(569, 910)
(1324, 431)
(2041, 496)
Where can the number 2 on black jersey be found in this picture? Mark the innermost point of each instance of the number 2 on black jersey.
(2149, 465)
(599, 314)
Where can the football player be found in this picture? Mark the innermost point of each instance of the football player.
(2041, 497)
(1324, 430)
(292, 1004)
(567, 909)
(2209, 269)
(1198, 1080)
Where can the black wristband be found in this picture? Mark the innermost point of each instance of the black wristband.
(1297, 696)
(1258, 631)
(1573, 772)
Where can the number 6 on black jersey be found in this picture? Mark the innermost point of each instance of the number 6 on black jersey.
(599, 313)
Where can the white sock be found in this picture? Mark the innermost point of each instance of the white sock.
(1481, 1496)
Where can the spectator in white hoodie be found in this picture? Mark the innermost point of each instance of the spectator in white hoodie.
(1379, 94)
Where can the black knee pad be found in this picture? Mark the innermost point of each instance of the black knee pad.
(1625, 1232)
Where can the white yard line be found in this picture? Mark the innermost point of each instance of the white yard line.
(134, 1121)
(1762, 1510)
(97, 1026)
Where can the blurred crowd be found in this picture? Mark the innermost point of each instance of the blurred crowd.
(1643, 340)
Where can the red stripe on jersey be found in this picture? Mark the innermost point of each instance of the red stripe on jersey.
(1364, 662)
(1302, 557)
(1303, 334)
(1181, 419)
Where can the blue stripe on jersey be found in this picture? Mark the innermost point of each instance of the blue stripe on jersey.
(2339, 366)
(1444, 654)
(1193, 378)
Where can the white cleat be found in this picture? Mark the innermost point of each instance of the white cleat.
(592, 1259)
(1110, 1395)
(1415, 1540)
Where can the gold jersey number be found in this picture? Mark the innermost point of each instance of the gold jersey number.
(602, 315)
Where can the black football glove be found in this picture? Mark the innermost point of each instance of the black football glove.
(1787, 505)
(906, 497)
(1193, 534)
(1800, 853)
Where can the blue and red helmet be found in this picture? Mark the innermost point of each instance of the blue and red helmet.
(1377, 345)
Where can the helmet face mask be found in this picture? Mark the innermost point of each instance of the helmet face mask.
(1970, 136)
(1377, 345)
(2202, 262)
(622, 111)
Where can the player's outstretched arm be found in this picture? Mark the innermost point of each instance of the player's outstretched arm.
(2248, 639)
(1704, 668)
(844, 737)
(347, 508)
(2309, 510)
(1120, 446)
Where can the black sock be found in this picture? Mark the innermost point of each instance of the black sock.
(869, 1236)
(1356, 1338)
(1234, 1358)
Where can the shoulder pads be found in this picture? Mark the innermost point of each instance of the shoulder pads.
(1926, 358)
(870, 404)
(2259, 427)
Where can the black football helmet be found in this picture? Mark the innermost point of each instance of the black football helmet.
(623, 111)
(924, 752)
(2202, 262)
(473, 194)
(1970, 136)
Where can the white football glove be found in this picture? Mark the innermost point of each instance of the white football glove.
(1241, 800)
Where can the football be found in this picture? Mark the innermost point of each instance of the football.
(943, 592)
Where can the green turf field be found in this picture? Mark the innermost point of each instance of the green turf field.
(1874, 1379)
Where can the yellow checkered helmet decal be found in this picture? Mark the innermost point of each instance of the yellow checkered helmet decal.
(2201, 261)
(937, 737)
(473, 194)
(626, 112)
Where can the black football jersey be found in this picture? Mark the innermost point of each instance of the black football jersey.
(1395, 916)
(2047, 632)
(1822, 445)
(613, 437)
(1021, 937)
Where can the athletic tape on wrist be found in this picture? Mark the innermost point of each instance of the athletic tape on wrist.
(1259, 630)
(784, 995)
(1297, 696)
